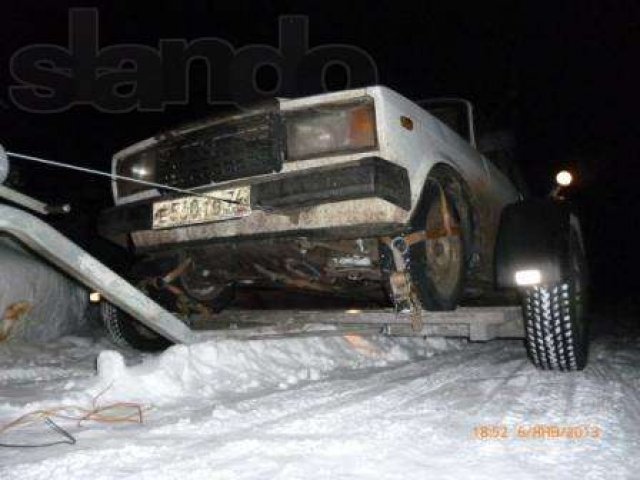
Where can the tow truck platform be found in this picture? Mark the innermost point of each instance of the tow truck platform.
(474, 323)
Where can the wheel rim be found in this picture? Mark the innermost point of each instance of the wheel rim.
(443, 248)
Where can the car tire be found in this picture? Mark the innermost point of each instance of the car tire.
(556, 327)
(437, 265)
(125, 331)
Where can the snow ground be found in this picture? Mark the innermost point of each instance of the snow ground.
(328, 407)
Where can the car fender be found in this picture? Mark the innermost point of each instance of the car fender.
(534, 235)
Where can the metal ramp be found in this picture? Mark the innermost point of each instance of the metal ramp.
(477, 324)
(70, 258)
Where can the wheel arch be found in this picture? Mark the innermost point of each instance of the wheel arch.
(534, 235)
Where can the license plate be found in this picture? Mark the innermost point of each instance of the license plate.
(193, 210)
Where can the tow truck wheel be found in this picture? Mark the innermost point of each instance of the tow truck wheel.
(126, 331)
(556, 330)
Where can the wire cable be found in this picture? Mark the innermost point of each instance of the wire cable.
(119, 412)
(114, 176)
(68, 438)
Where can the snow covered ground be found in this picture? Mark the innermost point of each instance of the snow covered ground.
(325, 407)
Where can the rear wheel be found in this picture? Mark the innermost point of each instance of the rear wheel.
(556, 329)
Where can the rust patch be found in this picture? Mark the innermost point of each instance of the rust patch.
(12, 315)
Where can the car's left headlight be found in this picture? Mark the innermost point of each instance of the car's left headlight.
(331, 129)
(141, 166)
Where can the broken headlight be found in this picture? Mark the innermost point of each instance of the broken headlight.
(331, 129)
(139, 166)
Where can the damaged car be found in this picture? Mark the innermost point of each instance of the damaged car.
(359, 194)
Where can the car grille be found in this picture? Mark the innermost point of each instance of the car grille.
(239, 148)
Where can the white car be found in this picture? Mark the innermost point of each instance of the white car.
(360, 193)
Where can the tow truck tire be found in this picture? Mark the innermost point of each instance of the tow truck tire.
(125, 331)
(556, 329)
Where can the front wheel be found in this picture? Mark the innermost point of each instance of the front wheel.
(556, 329)
(437, 264)
(126, 331)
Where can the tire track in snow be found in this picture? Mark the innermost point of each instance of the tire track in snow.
(409, 419)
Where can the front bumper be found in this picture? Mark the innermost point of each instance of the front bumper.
(367, 197)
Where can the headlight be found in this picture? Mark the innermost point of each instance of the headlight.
(331, 129)
(525, 278)
(141, 166)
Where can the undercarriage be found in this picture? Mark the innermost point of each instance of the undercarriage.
(349, 267)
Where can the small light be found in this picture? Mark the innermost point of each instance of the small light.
(528, 277)
(95, 297)
(354, 311)
(139, 171)
(564, 178)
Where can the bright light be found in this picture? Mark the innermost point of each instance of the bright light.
(564, 178)
(354, 311)
(528, 277)
(139, 171)
(95, 297)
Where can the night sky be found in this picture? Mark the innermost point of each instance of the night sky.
(563, 76)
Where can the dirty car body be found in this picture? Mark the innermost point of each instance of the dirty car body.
(303, 194)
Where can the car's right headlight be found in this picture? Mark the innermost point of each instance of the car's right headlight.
(140, 166)
(331, 129)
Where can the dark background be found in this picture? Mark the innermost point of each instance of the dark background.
(562, 75)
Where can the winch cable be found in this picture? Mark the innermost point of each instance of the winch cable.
(114, 176)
